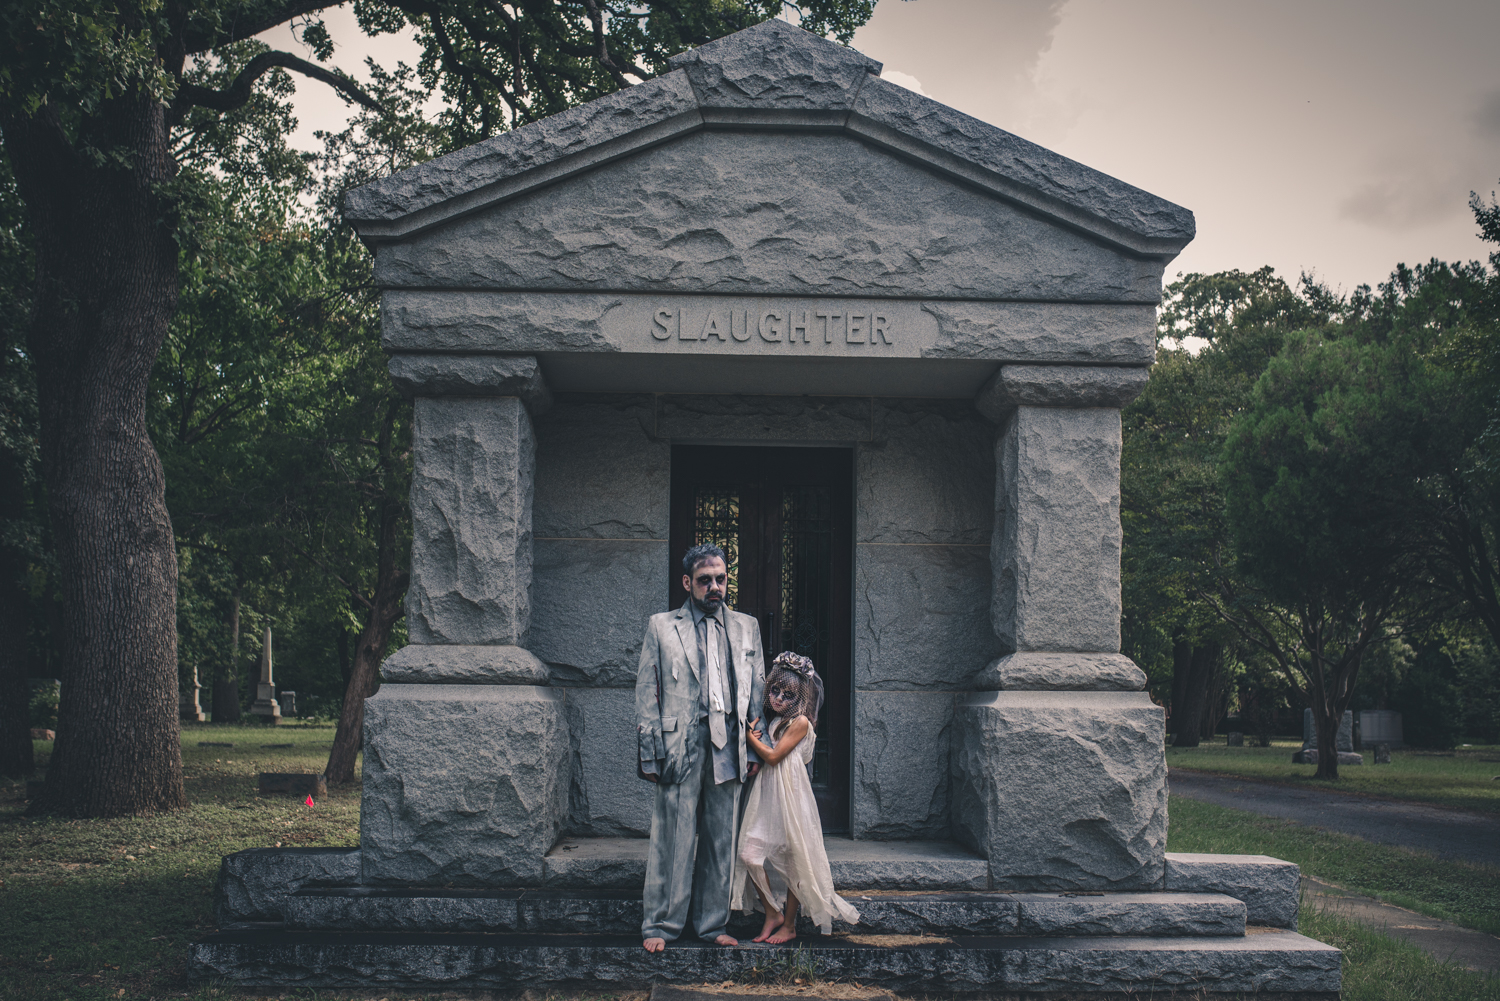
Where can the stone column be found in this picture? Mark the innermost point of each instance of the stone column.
(466, 745)
(1058, 770)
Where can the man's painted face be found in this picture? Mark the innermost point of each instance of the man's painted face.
(782, 694)
(706, 584)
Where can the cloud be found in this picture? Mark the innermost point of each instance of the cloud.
(904, 80)
(1407, 199)
(1488, 116)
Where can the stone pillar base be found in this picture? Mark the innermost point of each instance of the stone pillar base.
(463, 784)
(1062, 790)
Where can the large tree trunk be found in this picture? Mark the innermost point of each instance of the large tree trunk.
(384, 611)
(15, 692)
(106, 289)
(1199, 663)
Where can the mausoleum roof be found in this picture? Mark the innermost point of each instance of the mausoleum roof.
(773, 76)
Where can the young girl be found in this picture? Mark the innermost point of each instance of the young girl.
(781, 839)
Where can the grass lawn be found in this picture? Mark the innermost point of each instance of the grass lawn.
(1460, 892)
(103, 910)
(94, 908)
(1460, 779)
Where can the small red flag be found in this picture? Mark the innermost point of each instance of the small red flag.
(309, 800)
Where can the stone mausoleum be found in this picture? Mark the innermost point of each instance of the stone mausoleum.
(877, 350)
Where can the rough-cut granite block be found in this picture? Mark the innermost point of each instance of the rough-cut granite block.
(1268, 886)
(1279, 965)
(1059, 386)
(472, 375)
(898, 794)
(926, 476)
(921, 616)
(590, 600)
(768, 213)
(775, 65)
(1062, 790)
(1057, 531)
(774, 418)
(466, 175)
(606, 797)
(429, 664)
(1033, 671)
(471, 494)
(254, 883)
(1022, 170)
(599, 472)
(464, 785)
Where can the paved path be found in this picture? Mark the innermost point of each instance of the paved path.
(1451, 834)
(1448, 943)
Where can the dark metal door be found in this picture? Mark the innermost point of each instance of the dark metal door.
(785, 519)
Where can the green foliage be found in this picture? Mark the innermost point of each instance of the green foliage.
(1317, 472)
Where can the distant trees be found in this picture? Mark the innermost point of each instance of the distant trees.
(1317, 481)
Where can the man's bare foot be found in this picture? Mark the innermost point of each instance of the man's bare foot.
(786, 934)
(773, 922)
(655, 944)
(726, 940)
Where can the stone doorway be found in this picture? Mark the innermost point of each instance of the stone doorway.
(784, 517)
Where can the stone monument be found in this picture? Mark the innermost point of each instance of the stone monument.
(769, 253)
(265, 704)
(189, 707)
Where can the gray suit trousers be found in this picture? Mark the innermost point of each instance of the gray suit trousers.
(691, 863)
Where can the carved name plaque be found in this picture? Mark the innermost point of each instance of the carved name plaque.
(743, 325)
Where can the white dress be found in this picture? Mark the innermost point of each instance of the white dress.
(781, 843)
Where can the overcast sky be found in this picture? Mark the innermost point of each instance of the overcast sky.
(1339, 136)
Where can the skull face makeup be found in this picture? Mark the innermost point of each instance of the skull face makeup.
(793, 688)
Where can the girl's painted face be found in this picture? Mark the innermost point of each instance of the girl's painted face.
(783, 694)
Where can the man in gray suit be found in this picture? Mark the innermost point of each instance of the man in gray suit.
(700, 673)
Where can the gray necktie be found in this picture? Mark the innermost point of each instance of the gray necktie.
(710, 661)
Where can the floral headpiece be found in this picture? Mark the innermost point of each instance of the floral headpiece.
(809, 689)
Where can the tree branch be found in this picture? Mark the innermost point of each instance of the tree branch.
(238, 93)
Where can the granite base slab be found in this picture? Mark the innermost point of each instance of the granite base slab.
(1273, 961)
(1270, 887)
(551, 911)
(620, 863)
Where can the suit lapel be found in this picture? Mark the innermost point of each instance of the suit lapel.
(689, 643)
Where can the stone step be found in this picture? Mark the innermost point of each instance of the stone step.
(620, 863)
(893, 913)
(1277, 963)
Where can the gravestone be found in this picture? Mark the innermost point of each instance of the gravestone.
(190, 708)
(1235, 739)
(769, 245)
(1382, 754)
(1343, 741)
(265, 704)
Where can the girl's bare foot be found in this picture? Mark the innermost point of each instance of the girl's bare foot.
(655, 944)
(726, 940)
(773, 922)
(786, 934)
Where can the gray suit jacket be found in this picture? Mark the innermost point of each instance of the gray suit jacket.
(667, 692)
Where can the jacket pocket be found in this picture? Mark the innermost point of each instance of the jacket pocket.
(668, 724)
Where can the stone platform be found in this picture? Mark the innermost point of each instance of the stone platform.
(302, 918)
(1273, 961)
